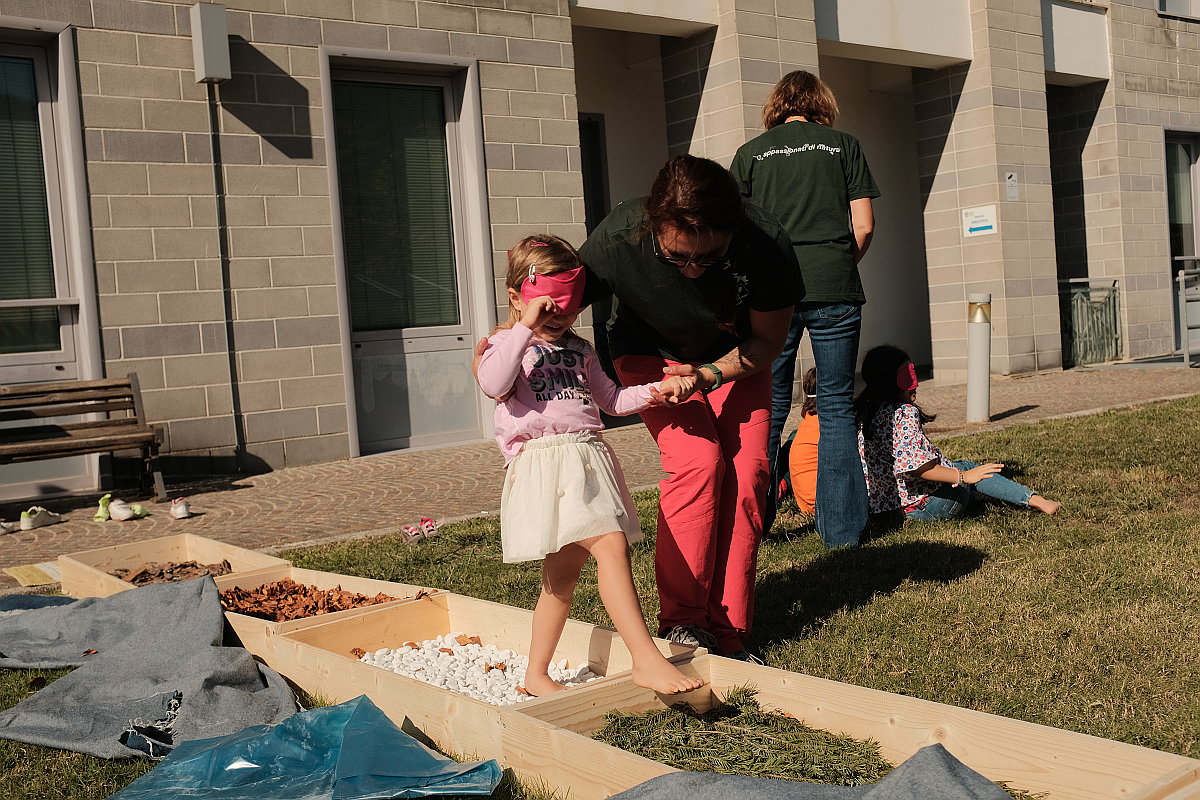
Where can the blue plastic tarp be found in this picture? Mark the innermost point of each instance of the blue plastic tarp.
(350, 751)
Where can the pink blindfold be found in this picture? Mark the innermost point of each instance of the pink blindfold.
(906, 377)
(564, 288)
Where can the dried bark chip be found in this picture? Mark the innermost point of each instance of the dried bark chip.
(285, 600)
(524, 691)
(462, 639)
(446, 650)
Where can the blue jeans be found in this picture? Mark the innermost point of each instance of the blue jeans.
(951, 501)
(833, 328)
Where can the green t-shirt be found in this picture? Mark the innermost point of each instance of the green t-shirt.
(659, 312)
(806, 174)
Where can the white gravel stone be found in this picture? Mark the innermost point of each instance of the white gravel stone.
(471, 669)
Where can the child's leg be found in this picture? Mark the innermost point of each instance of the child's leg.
(1001, 488)
(560, 573)
(615, 577)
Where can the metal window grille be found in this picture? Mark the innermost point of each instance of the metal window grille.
(1091, 321)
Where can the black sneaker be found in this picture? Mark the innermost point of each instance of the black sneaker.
(745, 655)
(691, 635)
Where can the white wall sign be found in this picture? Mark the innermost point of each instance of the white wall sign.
(979, 221)
(1012, 186)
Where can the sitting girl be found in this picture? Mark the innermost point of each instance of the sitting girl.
(564, 495)
(903, 468)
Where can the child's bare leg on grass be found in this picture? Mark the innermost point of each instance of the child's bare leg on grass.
(560, 573)
(1044, 505)
(615, 577)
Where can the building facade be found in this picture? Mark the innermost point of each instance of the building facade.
(297, 260)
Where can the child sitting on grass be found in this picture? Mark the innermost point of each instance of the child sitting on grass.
(904, 469)
(564, 496)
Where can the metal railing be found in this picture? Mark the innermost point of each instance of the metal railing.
(1090, 320)
(1187, 299)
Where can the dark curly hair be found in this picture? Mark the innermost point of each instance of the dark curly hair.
(879, 368)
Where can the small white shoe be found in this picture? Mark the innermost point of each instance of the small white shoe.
(180, 509)
(120, 510)
(8, 527)
(37, 517)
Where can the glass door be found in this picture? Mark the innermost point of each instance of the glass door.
(38, 312)
(1181, 156)
(410, 342)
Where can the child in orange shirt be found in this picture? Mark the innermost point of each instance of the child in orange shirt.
(802, 458)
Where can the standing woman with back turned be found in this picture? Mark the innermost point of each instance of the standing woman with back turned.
(815, 180)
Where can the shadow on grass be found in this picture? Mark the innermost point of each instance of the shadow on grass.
(796, 602)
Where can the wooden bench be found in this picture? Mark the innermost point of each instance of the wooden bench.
(53, 439)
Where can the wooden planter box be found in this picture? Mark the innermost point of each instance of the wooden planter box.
(258, 635)
(1033, 758)
(85, 574)
(318, 659)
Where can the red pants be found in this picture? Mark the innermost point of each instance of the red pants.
(710, 513)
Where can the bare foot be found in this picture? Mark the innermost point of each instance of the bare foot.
(1044, 505)
(663, 677)
(539, 685)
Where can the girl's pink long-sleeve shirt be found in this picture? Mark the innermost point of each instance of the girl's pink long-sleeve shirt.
(559, 387)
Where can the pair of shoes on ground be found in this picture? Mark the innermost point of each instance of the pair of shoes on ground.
(118, 509)
(121, 511)
(423, 529)
(35, 517)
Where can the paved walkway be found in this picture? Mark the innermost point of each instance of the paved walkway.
(378, 494)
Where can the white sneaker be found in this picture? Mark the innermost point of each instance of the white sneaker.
(7, 527)
(36, 517)
(179, 508)
(120, 510)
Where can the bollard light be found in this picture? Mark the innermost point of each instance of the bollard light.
(979, 357)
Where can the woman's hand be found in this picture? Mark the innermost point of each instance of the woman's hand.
(976, 474)
(701, 379)
(673, 390)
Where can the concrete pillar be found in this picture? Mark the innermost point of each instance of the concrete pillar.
(983, 143)
(715, 82)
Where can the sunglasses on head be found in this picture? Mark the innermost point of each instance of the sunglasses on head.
(705, 261)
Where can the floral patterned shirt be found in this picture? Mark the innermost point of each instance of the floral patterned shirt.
(898, 445)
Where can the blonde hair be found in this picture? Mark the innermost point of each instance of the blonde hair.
(800, 94)
(546, 254)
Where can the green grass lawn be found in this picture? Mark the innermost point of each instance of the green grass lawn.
(1084, 621)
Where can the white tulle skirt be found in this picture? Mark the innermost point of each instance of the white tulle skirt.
(561, 489)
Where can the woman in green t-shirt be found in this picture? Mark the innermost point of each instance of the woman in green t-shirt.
(816, 181)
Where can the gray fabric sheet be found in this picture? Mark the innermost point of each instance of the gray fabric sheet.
(159, 671)
(931, 774)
